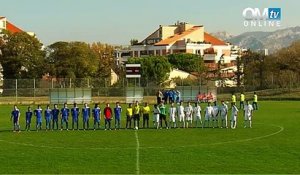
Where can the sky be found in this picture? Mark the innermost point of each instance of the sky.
(118, 21)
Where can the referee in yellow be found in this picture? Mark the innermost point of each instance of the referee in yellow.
(136, 115)
(146, 111)
(242, 100)
(233, 99)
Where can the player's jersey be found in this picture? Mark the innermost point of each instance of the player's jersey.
(215, 110)
(242, 97)
(48, 113)
(233, 98)
(255, 98)
(129, 111)
(224, 110)
(172, 111)
(38, 114)
(234, 111)
(65, 112)
(197, 111)
(209, 111)
(107, 113)
(248, 109)
(180, 110)
(96, 113)
(86, 112)
(28, 116)
(75, 112)
(118, 111)
(188, 110)
(146, 110)
(162, 109)
(55, 113)
(136, 109)
(15, 114)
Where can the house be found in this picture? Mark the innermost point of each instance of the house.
(6, 25)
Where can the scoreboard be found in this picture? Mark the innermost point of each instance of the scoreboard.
(133, 70)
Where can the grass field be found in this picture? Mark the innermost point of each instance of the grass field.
(271, 146)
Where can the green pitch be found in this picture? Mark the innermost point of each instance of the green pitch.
(271, 146)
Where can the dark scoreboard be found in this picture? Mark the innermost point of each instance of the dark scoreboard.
(133, 70)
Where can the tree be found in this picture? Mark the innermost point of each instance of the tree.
(133, 42)
(187, 62)
(21, 56)
(72, 60)
(154, 69)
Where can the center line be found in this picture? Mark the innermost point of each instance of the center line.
(137, 170)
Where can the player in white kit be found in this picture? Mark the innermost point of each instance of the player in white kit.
(208, 115)
(215, 122)
(234, 114)
(223, 113)
(197, 114)
(172, 113)
(188, 114)
(156, 113)
(248, 111)
(180, 113)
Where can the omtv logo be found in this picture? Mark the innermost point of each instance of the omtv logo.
(262, 14)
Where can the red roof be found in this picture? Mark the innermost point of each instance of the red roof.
(176, 37)
(213, 40)
(12, 28)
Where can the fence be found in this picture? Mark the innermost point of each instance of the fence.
(32, 90)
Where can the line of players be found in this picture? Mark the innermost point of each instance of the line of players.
(180, 116)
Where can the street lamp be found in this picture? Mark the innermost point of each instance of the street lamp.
(220, 62)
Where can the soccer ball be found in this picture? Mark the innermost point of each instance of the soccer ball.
(136, 128)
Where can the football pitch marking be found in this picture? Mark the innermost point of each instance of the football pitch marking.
(138, 147)
(137, 152)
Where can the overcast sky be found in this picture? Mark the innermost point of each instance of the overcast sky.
(117, 21)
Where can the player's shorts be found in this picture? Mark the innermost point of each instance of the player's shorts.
(96, 119)
(75, 119)
(248, 117)
(48, 120)
(213, 117)
(233, 118)
(85, 119)
(156, 118)
(189, 118)
(64, 119)
(172, 118)
(207, 117)
(196, 118)
(163, 117)
(181, 118)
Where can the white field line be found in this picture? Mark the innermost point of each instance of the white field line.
(137, 170)
(137, 148)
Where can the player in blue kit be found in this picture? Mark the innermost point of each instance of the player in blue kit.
(15, 116)
(118, 111)
(38, 113)
(48, 113)
(85, 116)
(97, 116)
(75, 114)
(55, 113)
(28, 117)
(64, 117)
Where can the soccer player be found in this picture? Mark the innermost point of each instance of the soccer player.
(233, 98)
(242, 100)
(118, 112)
(172, 113)
(188, 114)
(55, 113)
(224, 112)
(129, 112)
(28, 118)
(15, 116)
(136, 115)
(97, 116)
(64, 117)
(156, 116)
(108, 116)
(234, 114)
(86, 112)
(197, 114)
(180, 112)
(38, 113)
(254, 104)
(146, 111)
(208, 115)
(48, 113)
(75, 116)
(215, 121)
(248, 111)
(163, 114)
